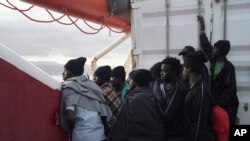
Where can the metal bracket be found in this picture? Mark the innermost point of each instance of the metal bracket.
(245, 107)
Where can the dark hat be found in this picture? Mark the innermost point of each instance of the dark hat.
(131, 74)
(195, 61)
(142, 77)
(187, 49)
(119, 73)
(223, 46)
(76, 66)
(104, 73)
(156, 70)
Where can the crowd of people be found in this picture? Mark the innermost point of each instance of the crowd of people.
(169, 102)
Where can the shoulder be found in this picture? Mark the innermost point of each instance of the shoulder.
(182, 86)
(201, 90)
(229, 65)
(107, 88)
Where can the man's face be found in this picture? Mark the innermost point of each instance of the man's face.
(131, 83)
(184, 56)
(97, 80)
(67, 74)
(185, 73)
(114, 82)
(167, 73)
(215, 53)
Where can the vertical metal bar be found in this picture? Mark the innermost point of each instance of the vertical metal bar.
(167, 26)
(225, 21)
(199, 7)
(211, 22)
(199, 13)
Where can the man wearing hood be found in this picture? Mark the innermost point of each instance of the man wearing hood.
(138, 119)
(82, 104)
(223, 80)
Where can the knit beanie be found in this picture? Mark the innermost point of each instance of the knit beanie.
(104, 73)
(142, 77)
(76, 66)
(223, 46)
(119, 73)
(156, 70)
(195, 61)
(131, 74)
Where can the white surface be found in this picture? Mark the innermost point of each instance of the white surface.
(149, 35)
(14, 59)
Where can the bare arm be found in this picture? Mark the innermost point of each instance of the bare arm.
(206, 46)
(70, 115)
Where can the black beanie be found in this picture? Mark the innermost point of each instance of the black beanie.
(156, 70)
(119, 73)
(104, 73)
(76, 66)
(131, 74)
(142, 77)
(223, 46)
(195, 61)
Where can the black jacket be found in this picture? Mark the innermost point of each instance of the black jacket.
(223, 86)
(138, 119)
(198, 113)
(171, 107)
(205, 75)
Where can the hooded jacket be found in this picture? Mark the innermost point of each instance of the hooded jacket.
(223, 86)
(171, 104)
(198, 113)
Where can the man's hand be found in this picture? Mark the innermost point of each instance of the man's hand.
(202, 23)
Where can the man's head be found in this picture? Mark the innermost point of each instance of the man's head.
(221, 48)
(193, 64)
(185, 51)
(170, 68)
(74, 67)
(141, 78)
(102, 75)
(118, 76)
(156, 70)
(130, 81)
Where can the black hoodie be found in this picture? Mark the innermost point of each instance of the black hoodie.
(223, 86)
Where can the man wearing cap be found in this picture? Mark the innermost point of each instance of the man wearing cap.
(185, 51)
(117, 80)
(223, 81)
(82, 104)
(189, 49)
(101, 77)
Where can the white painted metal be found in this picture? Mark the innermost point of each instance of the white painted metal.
(107, 49)
(15, 59)
(149, 34)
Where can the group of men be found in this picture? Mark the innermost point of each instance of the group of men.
(169, 102)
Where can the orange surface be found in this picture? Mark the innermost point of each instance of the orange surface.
(91, 10)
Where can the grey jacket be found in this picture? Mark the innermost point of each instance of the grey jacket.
(85, 94)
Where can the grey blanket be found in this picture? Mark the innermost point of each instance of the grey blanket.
(82, 92)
